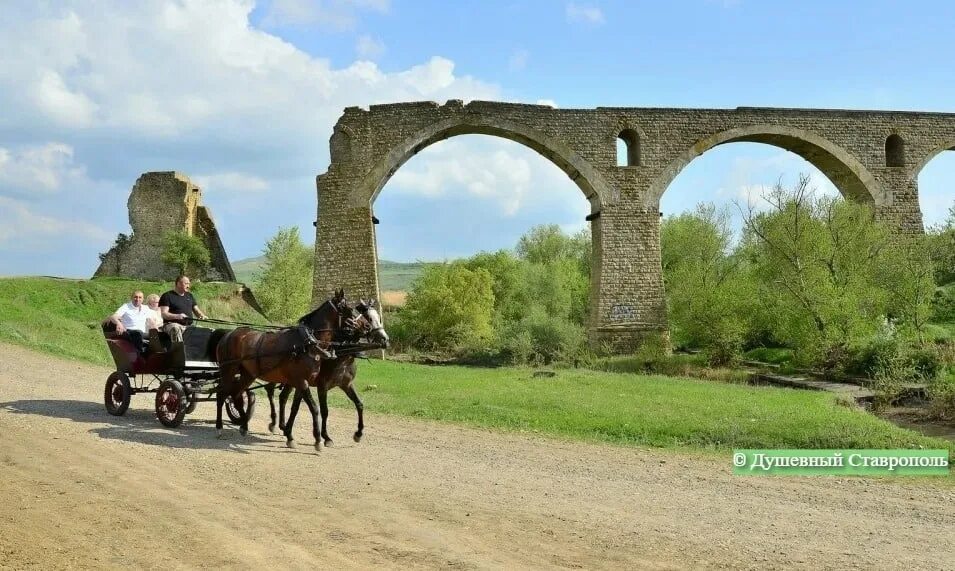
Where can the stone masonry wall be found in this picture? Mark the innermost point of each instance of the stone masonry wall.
(161, 202)
(627, 299)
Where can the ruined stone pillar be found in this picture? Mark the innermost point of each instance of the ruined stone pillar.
(627, 298)
(345, 252)
(903, 213)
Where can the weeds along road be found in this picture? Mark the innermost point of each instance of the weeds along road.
(82, 489)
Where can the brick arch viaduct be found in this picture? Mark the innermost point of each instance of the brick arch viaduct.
(871, 156)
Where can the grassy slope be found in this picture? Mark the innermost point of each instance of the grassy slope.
(394, 276)
(62, 316)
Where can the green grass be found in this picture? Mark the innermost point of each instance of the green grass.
(940, 332)
(626, 409)
(63, 316)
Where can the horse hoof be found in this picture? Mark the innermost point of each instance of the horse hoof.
(272, 428)
(357, 437)
(318, 446)
(290, 443)
(244, 431)
(219, 434)
(328, 442)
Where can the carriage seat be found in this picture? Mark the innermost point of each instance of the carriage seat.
(160, 354)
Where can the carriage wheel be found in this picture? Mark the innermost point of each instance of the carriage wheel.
(171, 403)
(117, 393)
(233, 411)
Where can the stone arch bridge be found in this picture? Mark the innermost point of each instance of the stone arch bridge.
(871, 156)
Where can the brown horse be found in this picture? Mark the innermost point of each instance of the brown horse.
(338, 372)
(291, 357)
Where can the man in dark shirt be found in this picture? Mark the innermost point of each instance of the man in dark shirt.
(178, 307)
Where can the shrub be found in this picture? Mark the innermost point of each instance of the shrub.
(890, 358)
(551, 339)
(943, 305)
(187, 253)
(449, 306)
(941, 393)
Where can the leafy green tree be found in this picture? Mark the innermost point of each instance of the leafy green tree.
(187, 253)
(506, 271)
(941, 247)
(829, 273)
(284, 285)
(450, 306)
(706, 287)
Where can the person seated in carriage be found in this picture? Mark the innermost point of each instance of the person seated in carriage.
(178, 307)
(130, 320)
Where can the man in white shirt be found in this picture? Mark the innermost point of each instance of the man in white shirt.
(130, 320)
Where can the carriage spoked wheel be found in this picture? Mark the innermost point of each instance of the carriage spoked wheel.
(232, 411)
(117, 394)
(171, 403)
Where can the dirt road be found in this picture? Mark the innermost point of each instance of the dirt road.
(82, 489)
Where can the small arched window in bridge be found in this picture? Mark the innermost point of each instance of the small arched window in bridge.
(628, 148)
(894, 151)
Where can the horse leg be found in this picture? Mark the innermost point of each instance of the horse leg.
(296, 402)
(270, 390)
(226, 376)
(350, 391)
(323, 403)
(243, 402)
(312, 409)
(283, 399)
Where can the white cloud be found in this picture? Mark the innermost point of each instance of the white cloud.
(585, 13)
(40, 169)
(518, 60)
(548, 102)
(170, 70)
(191, 86)
(335, 14)
(21, 227)
(368, 47)
(496, 170)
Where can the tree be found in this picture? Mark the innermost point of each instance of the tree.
(284, 286)
(450, 306)
(706, 287)
(187, 253)
(941, 247)
(829, 273)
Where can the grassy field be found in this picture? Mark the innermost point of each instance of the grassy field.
(394, 276)
(62, 316)
(625, 408)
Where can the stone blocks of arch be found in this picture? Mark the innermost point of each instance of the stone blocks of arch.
(871, 156)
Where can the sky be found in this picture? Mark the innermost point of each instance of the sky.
(241, 96)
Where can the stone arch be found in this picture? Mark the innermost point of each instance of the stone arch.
(852, 179)
(591, 183)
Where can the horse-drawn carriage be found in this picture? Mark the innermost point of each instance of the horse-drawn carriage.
(181, 374)
(185, 373)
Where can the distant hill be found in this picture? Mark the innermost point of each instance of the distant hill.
(394, 276)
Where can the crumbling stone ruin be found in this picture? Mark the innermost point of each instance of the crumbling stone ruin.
(153, 212)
